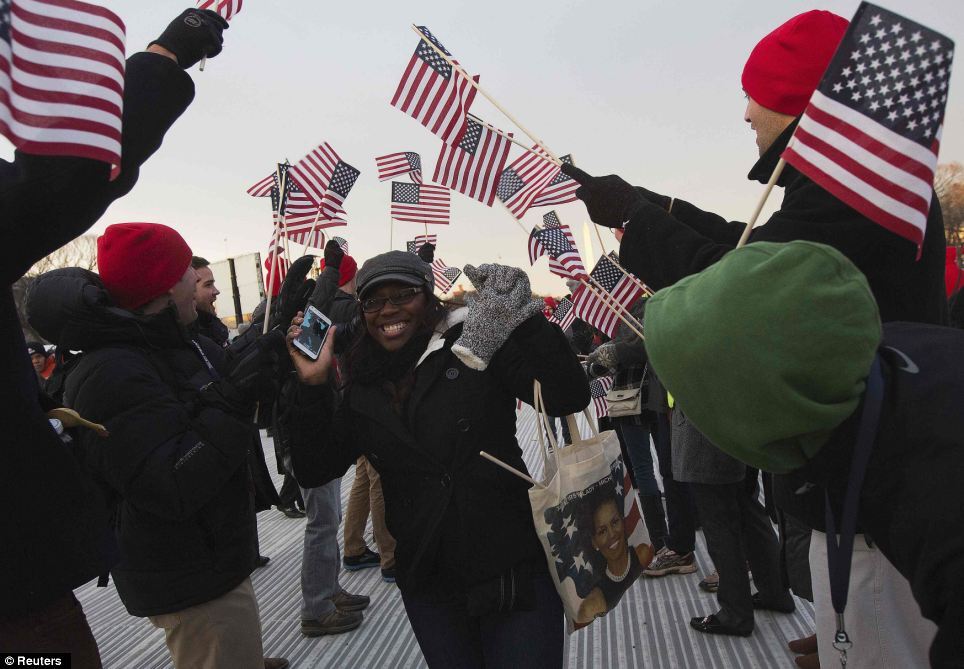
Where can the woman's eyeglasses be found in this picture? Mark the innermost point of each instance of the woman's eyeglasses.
(373, 304)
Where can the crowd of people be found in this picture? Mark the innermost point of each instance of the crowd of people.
(752, 437)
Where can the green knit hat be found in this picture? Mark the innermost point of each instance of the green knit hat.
(767, 350)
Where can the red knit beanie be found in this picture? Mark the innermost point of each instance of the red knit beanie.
(346, 270)
(786, 66)
(140, 261)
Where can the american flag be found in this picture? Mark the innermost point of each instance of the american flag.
(420, 203)
(621, 289)
(226, 8)
(263, 187)
(343, 243)
(551, 220)
(420, 241)
(872, 130)
(570, 529)
(323, 170)
(397, 164)
(563, 314)
(524, 179)
(445, 276)
(62, 79)
(555, 243)
(597, 390)
(433, 92)
(279, 195)
(278, 268)
(472, 167)
(561, 189)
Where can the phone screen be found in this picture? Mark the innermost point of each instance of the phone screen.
(314, 331)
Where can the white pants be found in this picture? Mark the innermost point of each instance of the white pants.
(882, 619)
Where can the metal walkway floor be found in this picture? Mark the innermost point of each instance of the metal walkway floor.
(649, 628)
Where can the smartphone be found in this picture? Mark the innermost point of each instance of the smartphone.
(314, 332)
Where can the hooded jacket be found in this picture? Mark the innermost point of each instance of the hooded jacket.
(459, 520)
(175, 465)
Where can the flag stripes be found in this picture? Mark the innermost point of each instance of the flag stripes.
(397, 164)
(472, 167)
(226, 8)
(610, 286)
(420, 203)
(524, 179)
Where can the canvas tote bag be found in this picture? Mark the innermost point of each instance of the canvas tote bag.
(588, 519)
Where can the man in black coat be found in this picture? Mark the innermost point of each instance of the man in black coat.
(54, 543)
(206, 293)
(667, 239)
(176, 461)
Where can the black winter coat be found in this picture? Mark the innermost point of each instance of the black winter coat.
(459, 519)
(53, 543)
(175, 464)
(661, 252)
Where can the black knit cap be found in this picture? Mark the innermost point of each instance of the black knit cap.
(397, 266)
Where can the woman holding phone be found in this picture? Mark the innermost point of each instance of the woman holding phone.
(431, 386)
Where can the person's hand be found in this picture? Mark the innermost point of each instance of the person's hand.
(311, 372)
(294, 292)
(610, 200)
(427, 252)
(256, 372)
(333, 254)
(194, 34)
(502, 301)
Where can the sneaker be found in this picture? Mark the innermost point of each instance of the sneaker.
(292, 511)
(336, 622)
(350, 603)
(671, 563)
(388, 575)
(366, 560)
(711, 583)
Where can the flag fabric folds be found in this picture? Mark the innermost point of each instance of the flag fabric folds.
(560, 190)
(420, 203)
(597, 390)
(445, 276)
(262, 188)
(342, 243)
(524, 179)
(433, 92)
(226, 8)
(871, 132)
(564, 314)
(597, 309)
(398, 164)
(323, 170)
(472, 167)
(62, 79)
(281, 185)
(558, 245)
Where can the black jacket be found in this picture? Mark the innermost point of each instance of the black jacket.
(459, 520)
(53, 542)
(175, 464)
(661, 252)
(211, 327)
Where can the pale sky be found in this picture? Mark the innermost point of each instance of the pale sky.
(647, 90)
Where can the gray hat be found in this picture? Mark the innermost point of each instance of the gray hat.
(399, 266)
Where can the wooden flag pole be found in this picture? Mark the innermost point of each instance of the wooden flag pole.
(615, 307)
(510, 469)
(314, 225)
(391, 233)
(425, 224)
(458, 68)
(777, 171)
(524, 147)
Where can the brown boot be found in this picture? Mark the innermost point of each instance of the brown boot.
(804, 646)
(809, 661)
(275, 663)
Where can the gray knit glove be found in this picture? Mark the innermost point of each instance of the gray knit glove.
(503, 301)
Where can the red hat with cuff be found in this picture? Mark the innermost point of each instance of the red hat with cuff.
(786, 66)
(346, 270)
(138, 262)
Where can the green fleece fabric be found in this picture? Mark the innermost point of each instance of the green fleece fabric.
(767, 350)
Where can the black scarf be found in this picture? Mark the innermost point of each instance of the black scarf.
(394, 371)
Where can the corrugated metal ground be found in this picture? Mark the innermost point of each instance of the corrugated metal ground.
(649, 628)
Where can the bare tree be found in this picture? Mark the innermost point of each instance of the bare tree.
(949, 184)
(81, 252)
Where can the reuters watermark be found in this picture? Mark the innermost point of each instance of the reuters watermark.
(35, 660)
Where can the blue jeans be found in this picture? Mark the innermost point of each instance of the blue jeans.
(636, 438)
(451, 639)
(321, 561)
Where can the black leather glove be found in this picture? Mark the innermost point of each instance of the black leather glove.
(192, 35)
(610, 201)
(333, 254)
(294, 293)
(257, 371)
(427, 253)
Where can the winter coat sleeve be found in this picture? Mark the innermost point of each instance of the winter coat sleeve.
(538, 349)
(164, 454)
(326, 287)
(45, 201)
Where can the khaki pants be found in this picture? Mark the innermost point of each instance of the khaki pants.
(366, 493)
(224, 633)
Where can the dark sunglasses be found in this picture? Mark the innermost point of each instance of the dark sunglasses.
(374, 304)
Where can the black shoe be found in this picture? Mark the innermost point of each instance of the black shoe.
(262, 561)
(711, 625)
(366, 560)
(292, 512)
(388, 575)
(787, 607)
